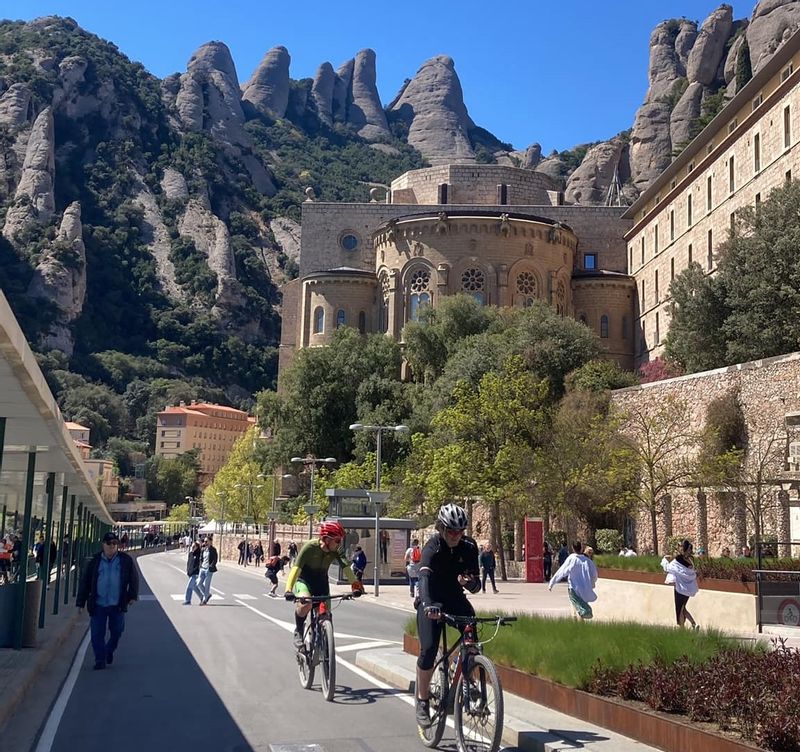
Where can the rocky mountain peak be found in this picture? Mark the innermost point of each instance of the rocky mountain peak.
(268, 87)
(432, 104)
(772, 23)
(364, 111)
(213, 56)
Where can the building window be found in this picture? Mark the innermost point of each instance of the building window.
(732, 125)
(787, 127)
(757, 153)
(442, 193)
(642, 249)
(590, 261)
(690, 253)
(526, 289)
(788, 176)
(658, 330)
(656, 285)
(690, 167)
(671, 269)
(319, 320)
(731, 174)
(643, 341)
(502, 194)
(383, 312)
(473, 282)
(349, 241)
(709, 194)
(340, 318)
(710, 250)
(419, 287)
(655, 241)
(362, 322)
(689, 210)
(758, 203)
(671, 225)
(642, 301)
(733, 222)
(757, 101)
(787, 71)
(630, 252)
(604, 326)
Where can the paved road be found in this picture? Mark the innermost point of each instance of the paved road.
(223, 677)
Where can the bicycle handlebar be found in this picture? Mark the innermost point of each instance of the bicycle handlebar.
(455, 620)
(323, 598)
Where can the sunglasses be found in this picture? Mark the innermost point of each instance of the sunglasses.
(454, 530)
(337, 541)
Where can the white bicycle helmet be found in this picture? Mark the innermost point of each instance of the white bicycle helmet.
(453, 516)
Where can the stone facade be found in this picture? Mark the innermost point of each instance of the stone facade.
(359, 262)
(752, 146)
(769, 394)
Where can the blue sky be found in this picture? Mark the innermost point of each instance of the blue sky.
(560, 73)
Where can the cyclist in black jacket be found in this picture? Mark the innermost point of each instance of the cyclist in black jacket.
(449, 564)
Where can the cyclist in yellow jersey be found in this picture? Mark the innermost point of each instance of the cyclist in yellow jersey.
(309, 575)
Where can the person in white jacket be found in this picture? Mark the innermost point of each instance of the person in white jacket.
(682, 574)
(581, 574)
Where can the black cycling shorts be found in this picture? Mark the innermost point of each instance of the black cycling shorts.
(430, 631)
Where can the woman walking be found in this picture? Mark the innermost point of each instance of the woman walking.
(682, 574)
(192, 570)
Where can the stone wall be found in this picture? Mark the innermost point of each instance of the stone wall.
(768, 390)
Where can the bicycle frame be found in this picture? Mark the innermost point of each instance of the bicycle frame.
(467, 646)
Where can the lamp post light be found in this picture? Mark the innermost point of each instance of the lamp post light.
(312, 462)
(378, 430)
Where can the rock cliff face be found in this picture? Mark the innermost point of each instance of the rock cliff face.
(268, 87)
(432, 104)
(772, 23)
(60, 278)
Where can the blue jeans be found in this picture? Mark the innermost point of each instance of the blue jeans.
(97, 624)
(192, 587)
(204, 585)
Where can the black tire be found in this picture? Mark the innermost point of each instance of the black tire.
(479, 727)
(327, 657)
(432, 735)
(305, 662)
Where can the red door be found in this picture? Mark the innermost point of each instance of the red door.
(534, 545)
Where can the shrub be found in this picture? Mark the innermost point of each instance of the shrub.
(608, 541)
(674, 543)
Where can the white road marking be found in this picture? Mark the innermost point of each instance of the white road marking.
(245, 596)
(183, 572)
(177, 596)
(362, 645)
(54, 719)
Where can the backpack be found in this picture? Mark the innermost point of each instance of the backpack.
(416, 555)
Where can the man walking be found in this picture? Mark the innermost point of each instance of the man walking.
(108, 586)
(580, 573)
(208, 565)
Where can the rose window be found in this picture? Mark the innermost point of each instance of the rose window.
(472, 280)
(526, 283)
(420, 280)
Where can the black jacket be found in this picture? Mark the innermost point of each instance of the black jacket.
(212, 558)
(129, 576)
(193, 562)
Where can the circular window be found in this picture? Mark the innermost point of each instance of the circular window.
(526, 283)
(472, 280)
(420, 280)
(349, 241)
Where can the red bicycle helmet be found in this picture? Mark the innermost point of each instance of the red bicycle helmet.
(331, 528)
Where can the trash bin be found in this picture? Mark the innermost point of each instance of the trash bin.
(8, 610)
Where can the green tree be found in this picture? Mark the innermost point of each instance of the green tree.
(600, 375)
(697, 313)
(172, 479)
(662, 444)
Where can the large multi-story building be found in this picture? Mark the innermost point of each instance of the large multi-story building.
(500, 234)
(750, 147)
(213, 429)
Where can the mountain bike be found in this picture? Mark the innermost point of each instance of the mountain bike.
(465, 682)
(318, 644)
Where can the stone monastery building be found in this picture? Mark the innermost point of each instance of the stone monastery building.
(504, 235)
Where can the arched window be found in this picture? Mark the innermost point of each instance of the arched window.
(582, 319)
(473, 282)
(340, 318)
(604, 326)
(419, 285)
(362, 322)
(526, 289)
(319, 320)
(561, 298)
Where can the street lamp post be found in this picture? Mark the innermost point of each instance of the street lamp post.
(248, 520)
(312, 462)
(378, 432)
(273, 514)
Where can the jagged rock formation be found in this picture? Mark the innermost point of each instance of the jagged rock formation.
(268, 87)
(322, 92)
(33, 199)
(772, 23)
(208, 99)
(589, 183)
(357, 100)
(60, 278)
(432, 104)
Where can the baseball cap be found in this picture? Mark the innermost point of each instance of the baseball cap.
(110, 537)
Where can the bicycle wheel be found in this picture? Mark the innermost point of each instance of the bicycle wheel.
(327, 655)
(479, 714)
(305, 660)
(438, 692)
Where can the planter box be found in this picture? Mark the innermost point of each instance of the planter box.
(657, 578)
(656, 729)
